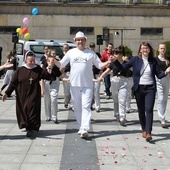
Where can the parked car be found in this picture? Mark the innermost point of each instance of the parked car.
(37, 46)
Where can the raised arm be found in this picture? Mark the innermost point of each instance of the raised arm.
(6, 65)
(57, 63)
(107, 63)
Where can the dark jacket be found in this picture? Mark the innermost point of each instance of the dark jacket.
(137, 62)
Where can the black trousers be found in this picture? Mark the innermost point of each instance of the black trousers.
(145, 98)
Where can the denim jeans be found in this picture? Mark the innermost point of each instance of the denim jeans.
(107, 85)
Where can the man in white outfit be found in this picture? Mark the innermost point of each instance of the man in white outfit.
(81, 80)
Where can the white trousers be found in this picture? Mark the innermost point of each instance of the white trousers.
(66, 85)
(96, 93)
(162, 96)
(119, 87)
(8, 77)
(82, 98)
(51, 99)
(129, 93)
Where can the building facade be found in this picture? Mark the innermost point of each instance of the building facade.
(127, 22)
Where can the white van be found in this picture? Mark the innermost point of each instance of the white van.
(37, 46)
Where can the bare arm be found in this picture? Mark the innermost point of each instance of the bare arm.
(107, 63)
(6, 65)
(57, 63)
(106, 72)
(42, 84)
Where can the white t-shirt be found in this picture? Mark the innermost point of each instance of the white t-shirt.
(146, 78)
(81, 63)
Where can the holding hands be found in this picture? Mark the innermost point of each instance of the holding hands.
(4, 97)
(111, 59)
(167, 71)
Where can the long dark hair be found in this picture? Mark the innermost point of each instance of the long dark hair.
(13, 53)
(151, 53)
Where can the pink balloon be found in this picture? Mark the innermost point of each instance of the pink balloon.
(25, 21)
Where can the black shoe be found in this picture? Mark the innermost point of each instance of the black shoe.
(148, 137)
(56, 121)
(29, 133)
(47, 120)
(66, 105)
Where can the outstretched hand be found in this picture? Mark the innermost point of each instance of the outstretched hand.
(7, 65)
(66, 80)
(111, 59)
(167, 71)
(4, 97)
(99, 79)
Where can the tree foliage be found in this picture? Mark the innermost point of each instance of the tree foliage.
(128, 50)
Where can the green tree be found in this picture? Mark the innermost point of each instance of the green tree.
(128, 50)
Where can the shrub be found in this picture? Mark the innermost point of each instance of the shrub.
(128, 50)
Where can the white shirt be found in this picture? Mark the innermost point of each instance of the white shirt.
(146, 78)
(81, 63)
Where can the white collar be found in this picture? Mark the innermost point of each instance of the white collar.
(24, 65)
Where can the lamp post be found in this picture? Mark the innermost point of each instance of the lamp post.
(121, 37)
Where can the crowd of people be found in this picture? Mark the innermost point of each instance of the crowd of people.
(82, 69)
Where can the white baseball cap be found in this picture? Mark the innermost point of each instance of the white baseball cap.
(80, 35)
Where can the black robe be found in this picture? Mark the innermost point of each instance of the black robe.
(28, 96)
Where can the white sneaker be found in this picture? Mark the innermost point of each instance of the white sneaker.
(84, 134)
(163, 124)
(79, 132)
(122, 121)
(128, 110)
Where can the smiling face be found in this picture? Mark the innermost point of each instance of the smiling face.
(144, 50)
(80, 42)
(30, 61)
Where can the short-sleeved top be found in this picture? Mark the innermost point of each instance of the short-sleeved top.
(162, 64)
(15, 64)
(118, 72)
(81, 62)
(95, 69)
(55, 73)
(67, 67)
(42, 58)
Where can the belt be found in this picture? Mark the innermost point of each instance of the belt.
(146, 85)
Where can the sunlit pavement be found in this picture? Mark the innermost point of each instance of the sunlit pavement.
(59, 147)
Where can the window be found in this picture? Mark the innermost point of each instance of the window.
(8, 29)
(19, 47)
(149, 1)
(151, 31)
(85, 30)
(115, 1)
(39, 49)
(80, 0)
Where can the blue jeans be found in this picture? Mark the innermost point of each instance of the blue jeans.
(107, 85)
